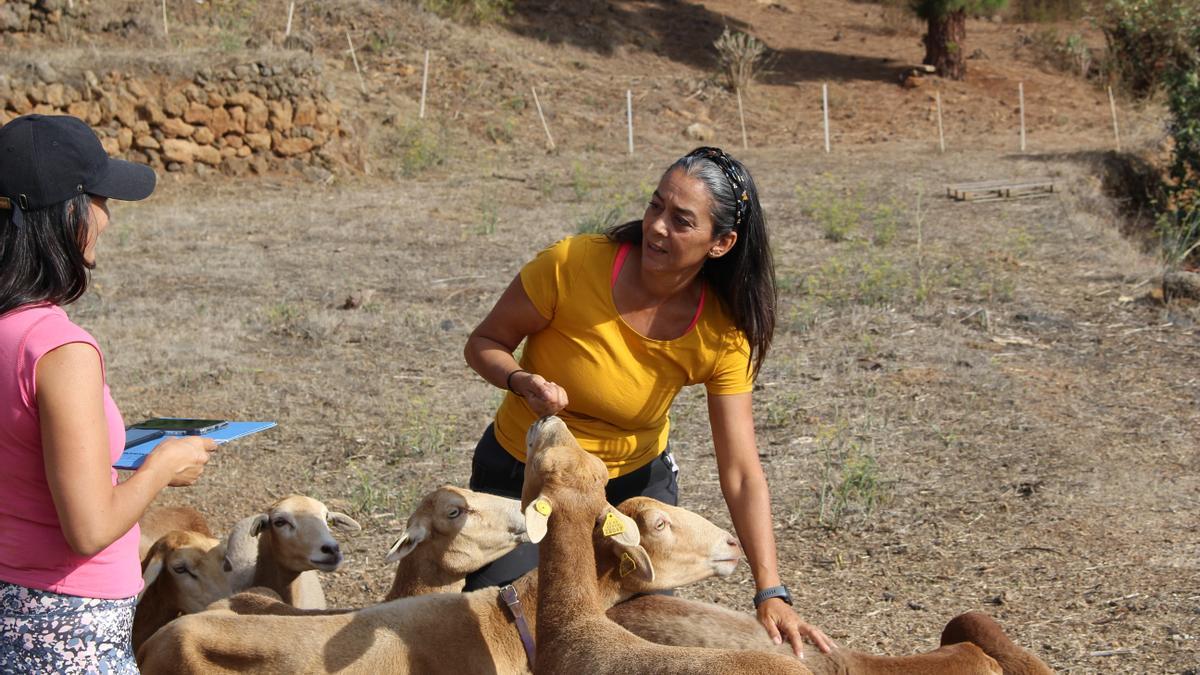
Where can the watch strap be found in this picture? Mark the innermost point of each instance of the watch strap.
(765, 594)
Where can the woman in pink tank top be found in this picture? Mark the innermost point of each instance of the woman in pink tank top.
(69, 569)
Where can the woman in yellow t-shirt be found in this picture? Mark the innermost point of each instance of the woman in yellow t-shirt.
(615, 325)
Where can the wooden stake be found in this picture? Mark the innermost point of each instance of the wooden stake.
(545, 126)
(1021, 98)
(424, 84)
(629, 116)
(941, 132)
(166, 30)
(825, 109)
(291, 8)
(1112, 105)
(362, 84)
(742, 117)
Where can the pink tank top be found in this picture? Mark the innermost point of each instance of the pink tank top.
(33, 551)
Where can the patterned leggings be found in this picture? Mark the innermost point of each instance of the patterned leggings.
(44, 632)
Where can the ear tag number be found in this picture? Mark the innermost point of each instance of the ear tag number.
(628, 565)
(543, 507)
(612, 525)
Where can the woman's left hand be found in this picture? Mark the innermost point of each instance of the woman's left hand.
(782, 623)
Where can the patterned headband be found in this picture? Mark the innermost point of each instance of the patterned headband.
(737, 180)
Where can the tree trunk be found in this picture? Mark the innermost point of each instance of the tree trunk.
(944, 44)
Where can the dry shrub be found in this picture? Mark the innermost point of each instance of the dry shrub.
(742, 58)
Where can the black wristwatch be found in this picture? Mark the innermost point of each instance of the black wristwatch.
(765, 594)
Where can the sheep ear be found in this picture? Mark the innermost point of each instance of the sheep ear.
(635, 562)
(260, 521)
(406, 543)
(150, 570)
(343, 523)
(537, 517)
(619, 527)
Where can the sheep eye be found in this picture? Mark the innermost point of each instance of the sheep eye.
(660, 524)
(182, 569)
(454, 513)
(280, 523)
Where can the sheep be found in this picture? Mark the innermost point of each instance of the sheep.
(688, 623)
(293, 540)
(160, 520)
(980, 629)
(194, 578)
(442, 633)
(456, 532)
(574, 635)
(451, 533)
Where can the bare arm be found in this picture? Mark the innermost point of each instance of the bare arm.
(745, 489)
(92, 512)
(490, 348)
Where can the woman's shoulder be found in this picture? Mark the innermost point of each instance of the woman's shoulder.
(43, 327)
(578, 249)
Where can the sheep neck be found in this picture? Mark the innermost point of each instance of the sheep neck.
(422, 577)
(568, 580)
(269, 573)
(154, 610)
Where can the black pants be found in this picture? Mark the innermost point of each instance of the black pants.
(496, 472)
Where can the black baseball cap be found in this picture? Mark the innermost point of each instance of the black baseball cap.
(47, 159)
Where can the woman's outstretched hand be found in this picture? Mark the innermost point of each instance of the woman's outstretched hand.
(543, 396)
(181, 458)
(782, 623)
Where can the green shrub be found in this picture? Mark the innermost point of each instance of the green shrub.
(1147, 39)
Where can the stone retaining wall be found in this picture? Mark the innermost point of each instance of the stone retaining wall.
(261, 116)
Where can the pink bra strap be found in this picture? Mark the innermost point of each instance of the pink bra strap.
(623, 252)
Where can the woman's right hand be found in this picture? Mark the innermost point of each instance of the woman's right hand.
(181, 458)
(543, 396)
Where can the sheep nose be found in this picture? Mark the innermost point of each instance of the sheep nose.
(331, 549)
(733, 543)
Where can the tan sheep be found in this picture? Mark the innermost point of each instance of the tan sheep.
(980, 629)
(688, 623)
(159, 520)
(183, 573)
(283, 548)
(451, 533)
(447, 633)
(563, 494)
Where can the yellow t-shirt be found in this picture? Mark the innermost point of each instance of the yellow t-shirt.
(620, 384)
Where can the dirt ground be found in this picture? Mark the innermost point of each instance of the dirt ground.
(967, 406)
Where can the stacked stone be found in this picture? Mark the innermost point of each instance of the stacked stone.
(35, 16)
(247, 117)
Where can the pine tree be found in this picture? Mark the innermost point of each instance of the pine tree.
(947, 21)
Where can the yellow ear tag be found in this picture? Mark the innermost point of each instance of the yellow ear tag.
(612, 525)
(628, 565)
(543, 507)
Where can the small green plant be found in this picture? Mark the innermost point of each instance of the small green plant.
(489, 217)
(416, 146)
(1180, 233)
(599, 220)
(742, 58)
(838, 215)
(582, 181)
(851, 484)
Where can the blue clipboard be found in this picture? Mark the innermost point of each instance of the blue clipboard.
(134, 455)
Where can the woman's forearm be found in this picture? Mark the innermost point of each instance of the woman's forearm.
(749, 502)
(91, 530)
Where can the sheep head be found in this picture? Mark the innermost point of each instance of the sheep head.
(299, 528)
(684, 546)
(194, 575)
(556, 468)
(468, 529)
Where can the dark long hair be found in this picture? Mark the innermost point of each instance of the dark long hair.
(743, 278)
(41, 260)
